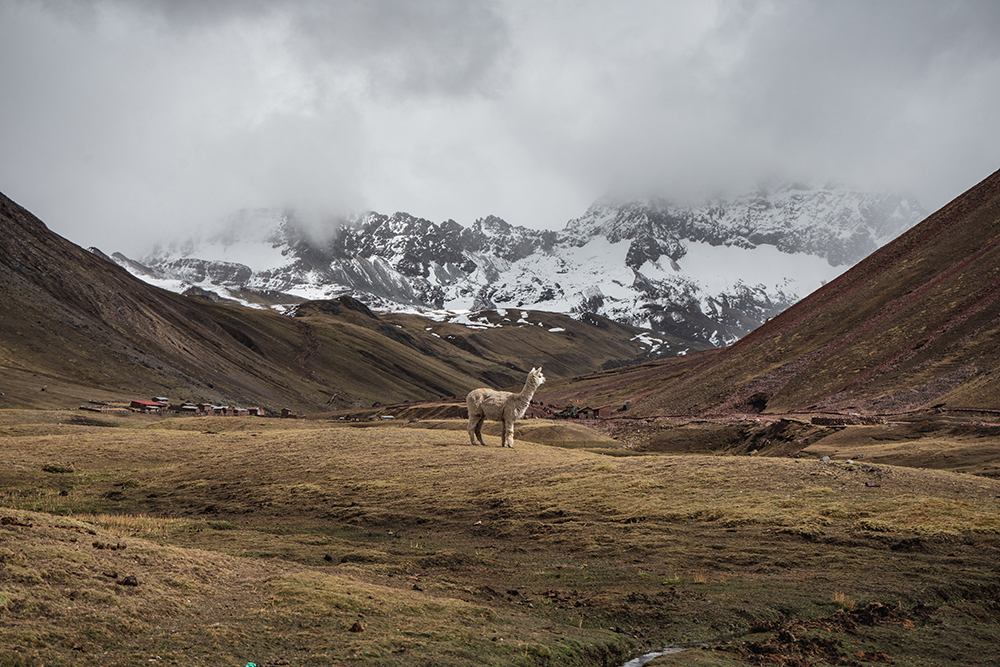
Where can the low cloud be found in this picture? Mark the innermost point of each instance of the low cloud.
(125, 121)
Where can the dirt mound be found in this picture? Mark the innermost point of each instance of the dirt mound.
(764, 437)
(800, 643)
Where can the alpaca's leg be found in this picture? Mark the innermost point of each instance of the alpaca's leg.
(473, 425)
(479, 430)
(508, 434)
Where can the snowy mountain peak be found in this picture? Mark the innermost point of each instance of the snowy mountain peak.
(841, 225)
(708, 273)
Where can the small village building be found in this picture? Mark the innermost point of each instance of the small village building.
(188, 408)
(147, 406)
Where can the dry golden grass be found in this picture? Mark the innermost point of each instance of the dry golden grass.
(64, 596)
(268, 540)
(132, 525)
(961, 447)
(843, 601)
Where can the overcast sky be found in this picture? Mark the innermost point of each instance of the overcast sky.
(120, 117)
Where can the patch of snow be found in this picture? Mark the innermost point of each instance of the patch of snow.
(717, 269)
(181, 286)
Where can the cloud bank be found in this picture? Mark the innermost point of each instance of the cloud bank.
(124, 121)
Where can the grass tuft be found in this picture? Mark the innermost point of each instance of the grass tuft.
(843, 601)
(58, 468)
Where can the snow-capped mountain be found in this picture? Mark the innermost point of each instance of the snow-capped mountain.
(710, 273)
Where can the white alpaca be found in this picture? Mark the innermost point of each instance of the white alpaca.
(501, 406)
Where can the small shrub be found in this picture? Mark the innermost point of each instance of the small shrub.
(843, 601)
(58, 468)
(874, 525)
(364, 556)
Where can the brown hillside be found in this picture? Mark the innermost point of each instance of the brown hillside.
(915, 325)
(77, 327)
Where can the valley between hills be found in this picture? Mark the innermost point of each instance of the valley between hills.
(822, 492)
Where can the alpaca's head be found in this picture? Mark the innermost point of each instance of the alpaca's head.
(535, 377)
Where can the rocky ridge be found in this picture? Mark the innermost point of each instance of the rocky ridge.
(709, 273)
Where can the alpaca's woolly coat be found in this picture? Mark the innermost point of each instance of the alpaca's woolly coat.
(502, 406)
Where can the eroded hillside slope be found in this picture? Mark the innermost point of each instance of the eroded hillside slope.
(913, 326)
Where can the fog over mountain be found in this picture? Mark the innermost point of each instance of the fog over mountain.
(707, 274)
(131, 121)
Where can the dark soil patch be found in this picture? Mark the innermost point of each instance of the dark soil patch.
(753, 436)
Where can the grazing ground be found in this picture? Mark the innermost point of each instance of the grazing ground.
(937, 442)
(223, 541)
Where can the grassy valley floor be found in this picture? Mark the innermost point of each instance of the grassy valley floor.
(136, 540)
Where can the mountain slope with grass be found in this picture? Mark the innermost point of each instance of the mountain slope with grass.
(912, 327)
(77, 327)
